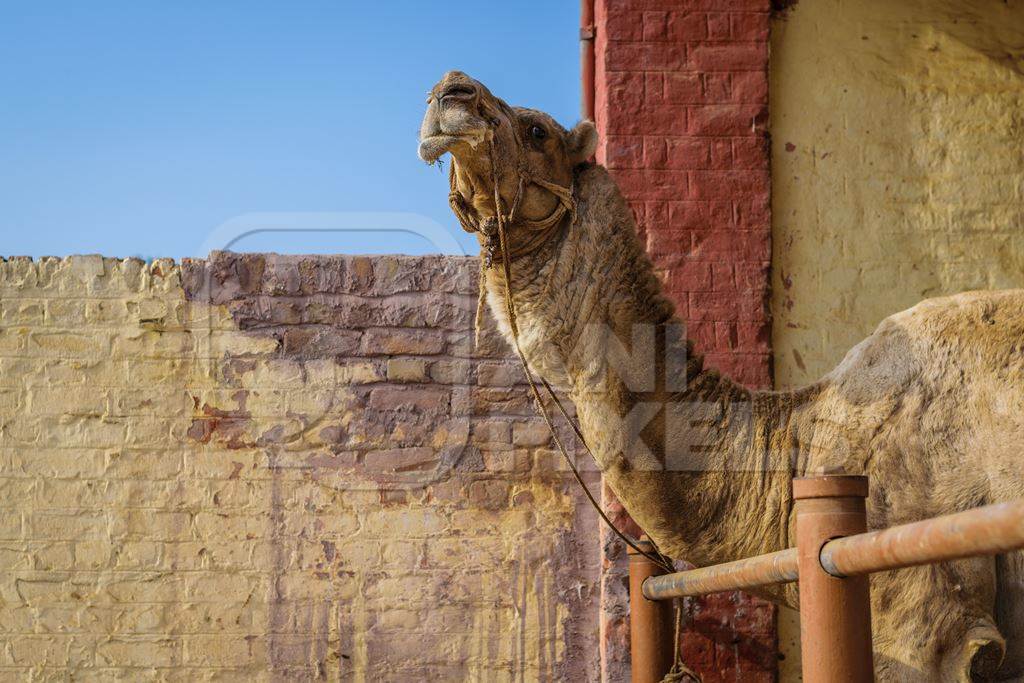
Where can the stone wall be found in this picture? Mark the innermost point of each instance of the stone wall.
(682, 108)
(272, 468)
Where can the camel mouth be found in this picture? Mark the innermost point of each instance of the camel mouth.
(433, 147)
(459, 91)
(454, 121)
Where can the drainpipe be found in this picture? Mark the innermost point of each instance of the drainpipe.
(587, 57)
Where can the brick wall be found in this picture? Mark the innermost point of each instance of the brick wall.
(681, 102)
(272, 468)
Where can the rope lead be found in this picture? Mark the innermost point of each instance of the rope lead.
(567, 204)
(496, 250)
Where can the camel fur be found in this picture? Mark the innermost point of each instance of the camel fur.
(930, 406)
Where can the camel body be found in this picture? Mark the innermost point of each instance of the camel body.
(930, 406)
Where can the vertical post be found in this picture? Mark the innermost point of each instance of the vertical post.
(650, 622)
(835, 613)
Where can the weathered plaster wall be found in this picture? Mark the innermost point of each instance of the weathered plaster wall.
(268, 468)
(681, 103)
(897, 165)
(897, 172)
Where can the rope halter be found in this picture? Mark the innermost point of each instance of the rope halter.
(538, 231)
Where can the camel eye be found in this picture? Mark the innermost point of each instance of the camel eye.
(538, 133)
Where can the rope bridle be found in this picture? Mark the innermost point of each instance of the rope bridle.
(539, 230)
(498, 251)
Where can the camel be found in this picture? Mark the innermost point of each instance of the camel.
(930, 406)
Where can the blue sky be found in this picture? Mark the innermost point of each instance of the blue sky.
(162, 128)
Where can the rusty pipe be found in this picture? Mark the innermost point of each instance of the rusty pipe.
(587, 57)
(986, 530)
(650, 623)
(778, 567)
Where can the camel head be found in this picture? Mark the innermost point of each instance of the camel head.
(525, 152)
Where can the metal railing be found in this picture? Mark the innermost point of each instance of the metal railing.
(832, 560)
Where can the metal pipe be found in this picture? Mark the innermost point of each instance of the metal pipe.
(986, 530)
(587, 57)
(650, 623)
(835, 613)
(778, 567)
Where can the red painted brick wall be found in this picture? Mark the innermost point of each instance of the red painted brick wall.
(681, 102)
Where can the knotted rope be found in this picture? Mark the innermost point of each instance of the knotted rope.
(679, 673)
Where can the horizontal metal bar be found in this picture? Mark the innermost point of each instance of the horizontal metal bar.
(988, 530)
(778, 567)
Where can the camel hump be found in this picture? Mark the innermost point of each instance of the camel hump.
(966, 310)
(977, 332)
(968, 334)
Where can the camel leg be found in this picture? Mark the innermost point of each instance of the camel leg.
(935, 623)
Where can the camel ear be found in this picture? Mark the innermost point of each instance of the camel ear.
(977, 658)
(582, 142)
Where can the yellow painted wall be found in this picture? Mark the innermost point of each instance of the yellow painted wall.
(897, 165)
(185, 500)
(897, 172)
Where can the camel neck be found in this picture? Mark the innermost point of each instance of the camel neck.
(685, 449)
